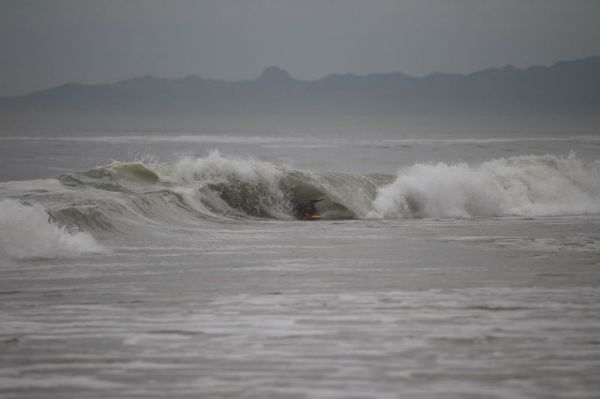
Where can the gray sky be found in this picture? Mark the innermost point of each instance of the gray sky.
(44, 43)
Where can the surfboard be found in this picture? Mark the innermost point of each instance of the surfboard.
(314, 216)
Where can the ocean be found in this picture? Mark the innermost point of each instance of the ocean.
(461, 264)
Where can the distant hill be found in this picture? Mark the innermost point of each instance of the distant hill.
(568, 87)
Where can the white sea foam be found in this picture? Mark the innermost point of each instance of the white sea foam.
(27, 232)
(528, 186)
(215, 167)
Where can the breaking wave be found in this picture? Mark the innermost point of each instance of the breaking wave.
(29, 232)
(517, 186)
(225, 189)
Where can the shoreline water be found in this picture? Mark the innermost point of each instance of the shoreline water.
(432, 307)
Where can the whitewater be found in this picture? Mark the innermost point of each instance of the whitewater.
(147, 265)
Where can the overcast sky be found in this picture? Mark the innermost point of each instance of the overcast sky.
(44, 43)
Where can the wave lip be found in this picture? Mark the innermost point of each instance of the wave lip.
(517, 186)
(228, 184)
(28, 232)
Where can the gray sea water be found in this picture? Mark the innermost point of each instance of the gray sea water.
(168, 265)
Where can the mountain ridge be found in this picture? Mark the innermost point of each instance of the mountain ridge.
(571, 86)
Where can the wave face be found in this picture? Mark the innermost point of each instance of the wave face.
(250, 187)
(217, 188)
(126, 196)
(28, 232)
(517, 186)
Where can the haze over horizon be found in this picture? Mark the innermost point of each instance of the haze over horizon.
(283, 74)
(45, 44)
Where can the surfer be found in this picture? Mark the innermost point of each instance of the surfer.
(304, 209)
